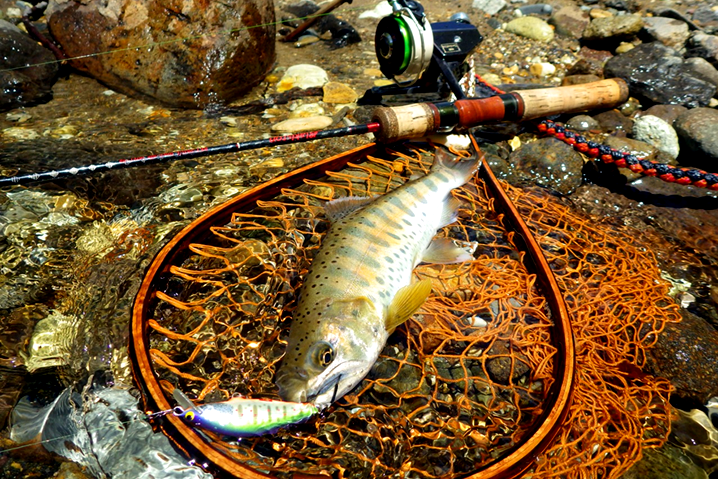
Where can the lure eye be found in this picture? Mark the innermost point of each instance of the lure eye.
(324, 354)
(189, 415)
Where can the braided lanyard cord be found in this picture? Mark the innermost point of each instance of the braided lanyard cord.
(608, 155)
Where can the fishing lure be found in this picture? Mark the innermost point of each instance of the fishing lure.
(242, 417)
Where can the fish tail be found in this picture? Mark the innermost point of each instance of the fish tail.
(460, 169)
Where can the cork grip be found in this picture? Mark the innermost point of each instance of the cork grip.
(403, 122)
(569, 99)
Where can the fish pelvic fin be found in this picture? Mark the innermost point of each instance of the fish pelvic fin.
(341, 207)
(407, 300)
(445, 251)
(461, 169)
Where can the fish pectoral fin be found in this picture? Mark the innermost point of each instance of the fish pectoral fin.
(445, 251)
(341, 207)
(451, 211)
(407, 300)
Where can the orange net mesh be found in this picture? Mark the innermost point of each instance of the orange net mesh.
(464, 381)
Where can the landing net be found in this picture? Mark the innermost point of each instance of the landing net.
(459, 385)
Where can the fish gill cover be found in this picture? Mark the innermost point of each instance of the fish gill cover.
(461, 383)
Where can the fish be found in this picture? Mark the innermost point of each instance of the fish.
(359, 287)
(242, 417)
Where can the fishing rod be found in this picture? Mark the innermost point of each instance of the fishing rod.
(390, 124)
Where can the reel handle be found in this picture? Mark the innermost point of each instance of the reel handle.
(411, 121)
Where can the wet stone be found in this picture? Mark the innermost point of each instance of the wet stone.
(668, 462)
(691, 345)
(302, 76)
(633, 147)
(296, 125)
(667, 113)
(582, 123)
(23, 86)
(656, 73)
(203, 69)
(550, 163)
(698, 129)
(614, 121)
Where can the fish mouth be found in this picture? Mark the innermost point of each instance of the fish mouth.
(297, 386)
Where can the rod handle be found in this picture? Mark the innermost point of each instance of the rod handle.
(420, 119)
(574, 98)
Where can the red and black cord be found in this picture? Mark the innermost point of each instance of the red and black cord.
(608, 155)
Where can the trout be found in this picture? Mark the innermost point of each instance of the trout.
(359, 287)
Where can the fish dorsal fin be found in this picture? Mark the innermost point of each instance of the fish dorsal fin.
(341, 207)
(445, 251)
(407, 300)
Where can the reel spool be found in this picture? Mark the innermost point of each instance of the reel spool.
(404, 42)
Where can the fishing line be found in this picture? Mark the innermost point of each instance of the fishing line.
(176, 40)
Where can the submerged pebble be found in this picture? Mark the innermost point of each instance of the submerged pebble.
(302, 76)
(296, 125)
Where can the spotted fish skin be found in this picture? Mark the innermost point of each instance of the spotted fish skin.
(243, 417)
(359, 286)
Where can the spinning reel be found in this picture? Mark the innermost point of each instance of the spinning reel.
(419, 55)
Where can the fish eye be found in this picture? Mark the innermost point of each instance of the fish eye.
(189, 415)
(324, 354)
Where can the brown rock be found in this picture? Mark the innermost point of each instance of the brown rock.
(590, 62)
(335, 92)
(192, 54)
(667, 113)
(570, 21)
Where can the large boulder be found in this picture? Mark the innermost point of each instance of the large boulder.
(188, 53)
(20, 84)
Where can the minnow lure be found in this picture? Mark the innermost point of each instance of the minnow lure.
(242, 417)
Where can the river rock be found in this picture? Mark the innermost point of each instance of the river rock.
(188, 59)
(582, 123)
(702, 69)
(613, 121)
(691, 345)
(550, 163)
(654, 131)
(704, 46)
(531, 27)
(590, 62)
(338, 93)
(656, 73)
(667, 113)
(698, 129)
(490, 7)
(705, 16)
(636, 148)
(570, 21)
(613, 29)
(297, 125)
(23, 86)
(670, 32)
(302, 76)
